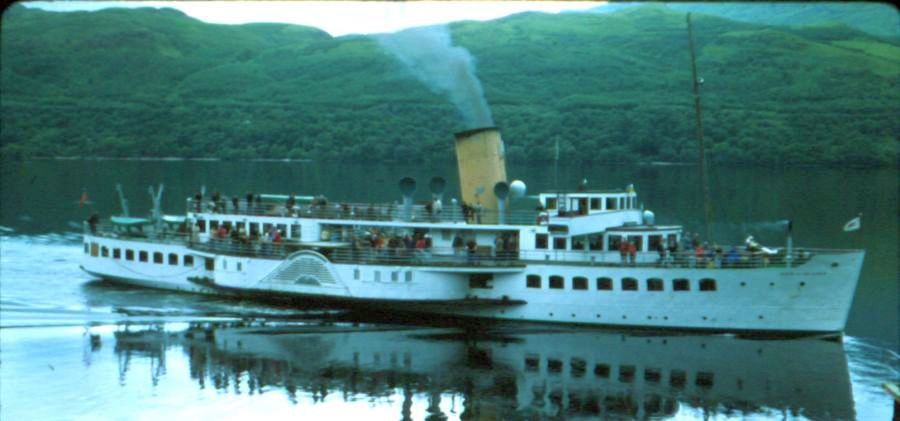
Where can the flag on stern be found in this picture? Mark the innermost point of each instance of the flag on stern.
(853, 224)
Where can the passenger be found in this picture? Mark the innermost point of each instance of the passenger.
(457, 244)
(289, 205)
(623, 250)
(92, 221)
(222, 232)
(733, 258)
(235, 202)
(248, 203)
(216, 198)
(499, 247)
(512, 246)
(198, 202)
(438, 208)
(632, 252)
(472, 248)
(699, 254)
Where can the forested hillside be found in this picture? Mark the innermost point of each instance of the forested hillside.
(609, 87)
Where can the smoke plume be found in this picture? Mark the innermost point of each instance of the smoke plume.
(446, 69)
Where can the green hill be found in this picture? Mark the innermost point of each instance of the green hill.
(610, 87)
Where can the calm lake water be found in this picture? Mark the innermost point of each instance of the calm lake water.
(74, 347)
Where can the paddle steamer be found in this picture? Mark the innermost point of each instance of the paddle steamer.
(583, 257)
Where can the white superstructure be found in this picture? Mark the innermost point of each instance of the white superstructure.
(564, 262)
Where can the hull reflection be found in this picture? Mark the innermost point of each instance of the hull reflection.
(510, 373)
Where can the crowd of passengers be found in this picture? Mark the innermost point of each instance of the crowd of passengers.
(319, 207)
(378, 244)
(691, 252)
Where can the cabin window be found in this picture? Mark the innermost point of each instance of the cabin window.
(556, 282)
(356, 274)
(201, 225)
(480, 280)
(595, 203)
(86, 248)
(554, 366)
(655, 242)
(173, 259)
(707, 284)
(224, 264)
(295, 231)
(254, 229)
(595, 242)
(672, 240)
(579, 282)
(614, 242)
(532, 363)
(638, 242)
(705, 379)
(551, 203)
(189, 260)
(129, 255)
(104, 251)
(604, 284)
(377, 276)
(629, 284)
(408, 276)
(213, 225)
(610, 203)
(117, 253)
(626, 373)
(209, 263)
(577, 367)
(395, 276)
(239, 266)
(681, 284)
(578, 243)
(652, 375)
(654, 284)
(267, 228)
(621, 203)
(540, 241)
(533, 281)
(227, 225)
(142, 256)
(283, 229)
(601, 370)
(157, 257)
(559, 243)
(677, 379)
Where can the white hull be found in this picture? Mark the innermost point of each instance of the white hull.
(814, 297)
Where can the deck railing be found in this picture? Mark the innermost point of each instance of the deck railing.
(380, 212)
(362, 252)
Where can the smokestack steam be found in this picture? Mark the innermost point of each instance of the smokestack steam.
(432, 58)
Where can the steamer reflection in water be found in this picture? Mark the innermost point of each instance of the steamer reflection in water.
(508, 372)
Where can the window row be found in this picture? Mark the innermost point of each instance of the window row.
(251, 228)
(612, 242)
(625, 284)
(582, 204)
(376, 274)
(626, 373)
(173, 259)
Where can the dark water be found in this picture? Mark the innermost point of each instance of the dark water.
(74, 348)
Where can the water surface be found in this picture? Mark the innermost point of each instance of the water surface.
(74, 347)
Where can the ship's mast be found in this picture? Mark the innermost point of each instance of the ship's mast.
(707, 211)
